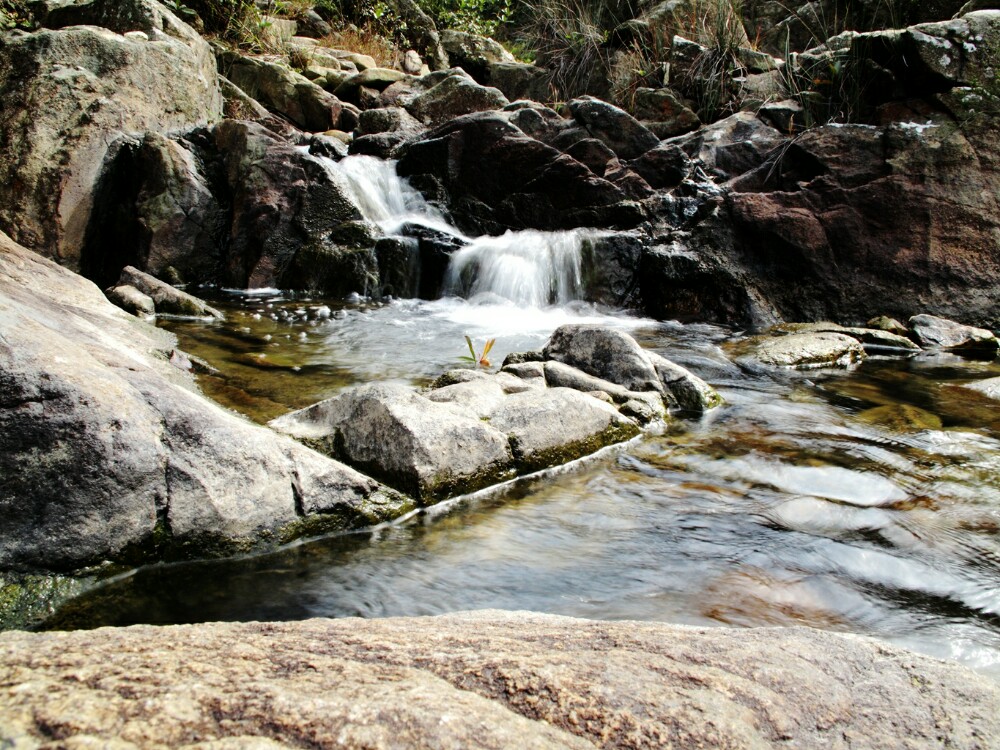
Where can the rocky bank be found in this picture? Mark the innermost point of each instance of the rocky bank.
(485, 679)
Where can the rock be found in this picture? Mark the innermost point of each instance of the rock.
(239, 106)
(311, 24)
(873, 338)
(412, 63)
(871, 219)
(521, 81)
(526, 370)
(96, 85)
(990, 387)
(388, 120)
(687, 390)
(805, 350)
(283, 200)
(283, 91)
(933, 332)
(474, 54)
(434, 452)
(901, 417)
(473, 398)
(885, 323)
(373, 78)
(663, 112)
(130, 299)
(497, 177)
(557, 425)
(166, 298)
(179, 219)
(787, 115)
(665, 166)
(732, 146)
(419, 30)
(617, 129)
(605, 353)
(453, 97)
(108, 452)
(399, 682)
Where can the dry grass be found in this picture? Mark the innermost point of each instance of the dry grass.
(364, 42)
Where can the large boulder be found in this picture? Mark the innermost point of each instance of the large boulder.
(454, 96)
(483, 679)
(618, 130)
(108, 452)
(435, 450)
(473, 53)
(935, 332)
(496, 176)
(286, 201)
(69, 93)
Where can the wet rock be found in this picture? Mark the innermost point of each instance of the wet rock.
(804, 350)
(434, 451)
(167, 299)
(557, 425)
(664, 166)
(617, 129)
(874, 339)
(933, 332)
(901, 417)
(990, 387)
(108, 452)
(96, 85)
(399, 682)
(733, 146)
(283, 91)
(683, 388)
(604, 353)
(283, 199)
(497, 177)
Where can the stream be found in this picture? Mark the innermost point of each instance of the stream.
(863, 501)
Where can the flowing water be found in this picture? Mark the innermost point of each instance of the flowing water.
(865, 501)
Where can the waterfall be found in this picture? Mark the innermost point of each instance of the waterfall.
(529, 268)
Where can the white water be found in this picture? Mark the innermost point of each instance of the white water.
(529, 269)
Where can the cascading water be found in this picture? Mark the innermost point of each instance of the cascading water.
(528, 268)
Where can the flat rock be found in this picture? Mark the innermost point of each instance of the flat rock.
(806, 350)
(557, 425)
(485, 679)
(934, 332)
(872, 337)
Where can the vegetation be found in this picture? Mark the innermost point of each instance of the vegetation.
(480, 359)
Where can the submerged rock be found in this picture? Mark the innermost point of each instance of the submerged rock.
(484, 679)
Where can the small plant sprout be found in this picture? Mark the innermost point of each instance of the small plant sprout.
(478, 359)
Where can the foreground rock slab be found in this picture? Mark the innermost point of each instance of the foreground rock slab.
(485, 679)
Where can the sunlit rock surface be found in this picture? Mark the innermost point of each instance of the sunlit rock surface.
(487, 679)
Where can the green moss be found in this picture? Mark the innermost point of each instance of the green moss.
(26, 600)
(544, 459)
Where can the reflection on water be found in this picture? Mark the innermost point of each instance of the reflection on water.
(802, 501)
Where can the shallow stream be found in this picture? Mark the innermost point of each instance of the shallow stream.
(865, 501)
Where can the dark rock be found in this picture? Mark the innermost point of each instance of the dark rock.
(732, 146)
(312, 25)
(282, 200)
(604, 353)
(521, 81)
(621, 132)
(665, 166)
(498, 177)
(398, 266)
(454, 96)
(663, 112)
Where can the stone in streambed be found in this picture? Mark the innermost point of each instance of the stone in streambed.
(558, 374)
(557, 425)
(934, 332)
(421, 447)
(682, 387)
(130, 299)
(874, 338)
(990, 387)
(801, 351)
(166, 299)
